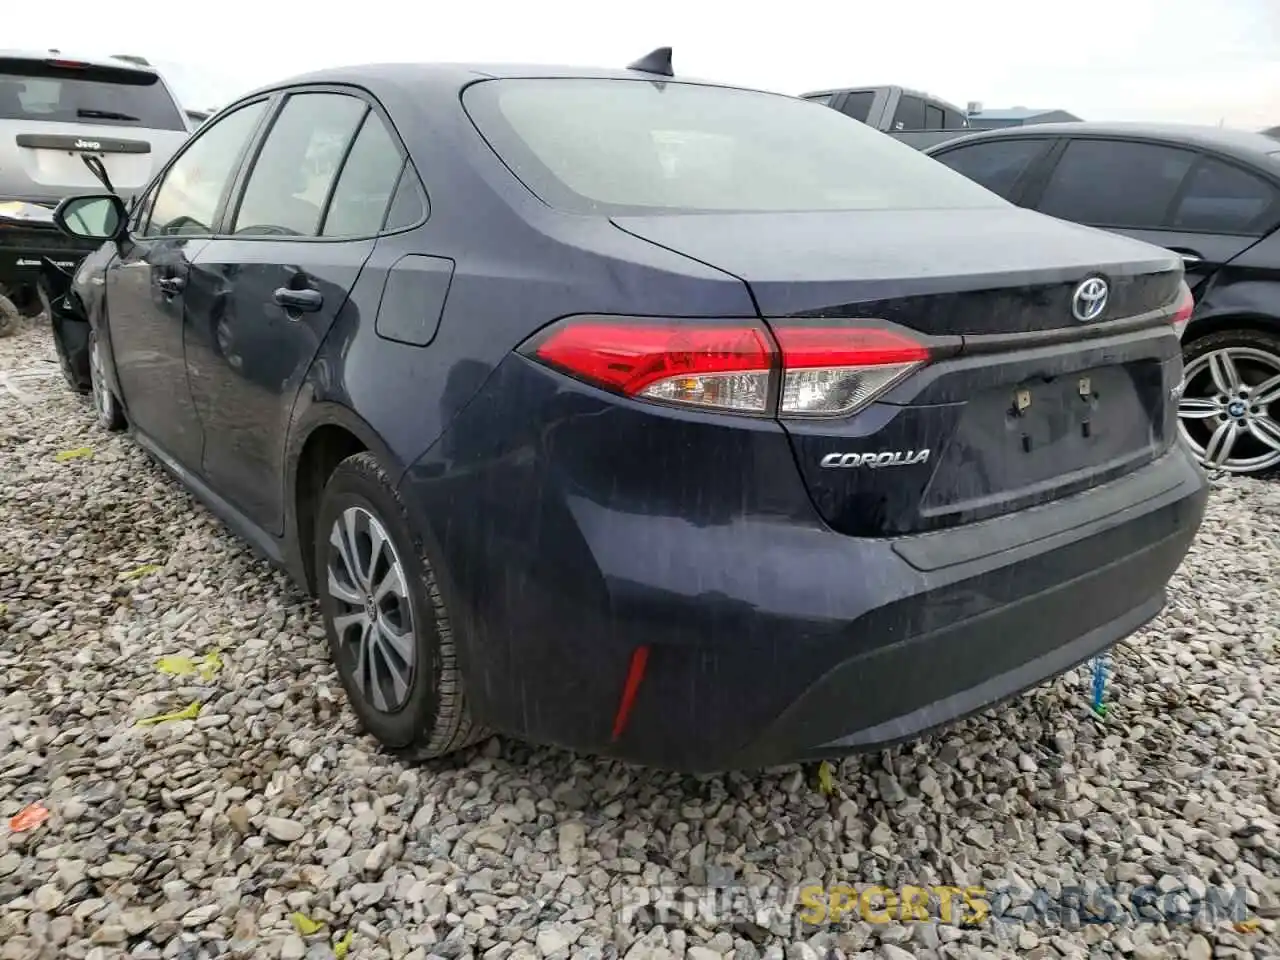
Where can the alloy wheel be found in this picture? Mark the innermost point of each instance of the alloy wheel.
(103, 401)
(374, 618)
(1229, 406)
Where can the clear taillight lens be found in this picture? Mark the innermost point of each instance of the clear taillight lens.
(833, 371)
(733, 365)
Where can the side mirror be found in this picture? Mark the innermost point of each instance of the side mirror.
(99, 216)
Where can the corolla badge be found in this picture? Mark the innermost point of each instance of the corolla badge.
(1090, 299)
(889, 458)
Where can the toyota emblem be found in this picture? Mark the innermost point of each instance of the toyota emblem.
(1089, 300)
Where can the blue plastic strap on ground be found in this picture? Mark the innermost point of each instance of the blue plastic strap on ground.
(1101, 667)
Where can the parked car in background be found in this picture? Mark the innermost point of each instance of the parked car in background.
(1210, 195)
(917, 119)
(628, 413)
(56, 111)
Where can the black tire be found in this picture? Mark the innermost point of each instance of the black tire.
(10, 317)
(106, 405)
(434, 718)
(74, 381)
(1263, 341)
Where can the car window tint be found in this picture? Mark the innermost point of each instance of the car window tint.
(996, 165)
(954, 121)
(605, 147)
(932, 117)
(858, 105)
(408, 205)
(824, 99)
(1224, 199)
(1115, 183)
(187, 200)
(366, 183)
(290, 180)
(909, 115)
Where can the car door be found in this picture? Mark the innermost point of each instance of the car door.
(273, 283)
(1202, 207)
(146, 284)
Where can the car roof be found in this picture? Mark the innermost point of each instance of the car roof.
(44, 56)
(442, 76)
(1242, 144)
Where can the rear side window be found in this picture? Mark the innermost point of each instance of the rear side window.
(933, 117)
(997, 165)
(1116, 183)
(909, 115)
(606, 147)
(1221, 198)
(63, 92)
(954, 121)
(296, 166)
(187, 201)
(368, 179)
(858, 105)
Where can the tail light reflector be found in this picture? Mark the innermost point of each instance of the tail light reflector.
(1184, 306)
(826, 371)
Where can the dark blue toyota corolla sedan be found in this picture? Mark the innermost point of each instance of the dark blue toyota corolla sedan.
(668, 420)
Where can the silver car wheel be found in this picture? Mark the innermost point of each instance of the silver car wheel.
(374, 618)
(1227, 413)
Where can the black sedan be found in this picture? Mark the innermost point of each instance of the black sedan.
(1210, 195)
(685, 423)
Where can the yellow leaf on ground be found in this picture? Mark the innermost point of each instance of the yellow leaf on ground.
(190, 712)
(210, 666)
(137, 573)
(826, 782)
(304, 924)
(75, 454)
(342, 946)
(176, 666)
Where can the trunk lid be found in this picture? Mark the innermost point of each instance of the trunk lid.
(1022, 403)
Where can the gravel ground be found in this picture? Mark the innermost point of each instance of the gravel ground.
(200, 838)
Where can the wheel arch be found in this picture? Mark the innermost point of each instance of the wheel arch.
(326, 435)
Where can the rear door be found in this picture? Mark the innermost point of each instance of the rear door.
(272, 283)
(1204, 208)
(55, 112)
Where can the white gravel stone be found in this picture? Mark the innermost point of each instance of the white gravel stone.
(185, 839)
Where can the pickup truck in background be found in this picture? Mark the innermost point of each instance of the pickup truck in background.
(915, 118)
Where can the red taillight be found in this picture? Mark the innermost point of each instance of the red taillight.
(68, 64)
(730, 364)
(1184, 307)
(724, 364)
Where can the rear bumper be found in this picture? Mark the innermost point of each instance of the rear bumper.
(770, 637)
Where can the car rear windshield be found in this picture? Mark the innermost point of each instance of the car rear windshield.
(60, 93)
(639, 146)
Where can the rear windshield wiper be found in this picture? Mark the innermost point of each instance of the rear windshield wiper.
(105, 115)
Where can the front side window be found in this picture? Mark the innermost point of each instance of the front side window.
(1116, 183)
(632, 146)
(290, 180)
(187, 201)
(1221, 198)
(997, 165)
